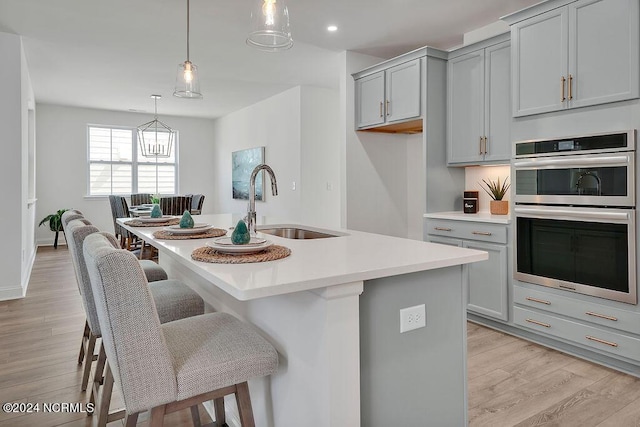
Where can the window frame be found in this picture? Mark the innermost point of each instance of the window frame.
(134, 161)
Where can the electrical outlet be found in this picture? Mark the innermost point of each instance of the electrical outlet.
(293, 186)
(413, 318)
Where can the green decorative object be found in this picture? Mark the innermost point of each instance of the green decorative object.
(240, 235)
(187, 220)
(156, 212)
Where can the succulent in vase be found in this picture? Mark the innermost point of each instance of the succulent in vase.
(496, 190)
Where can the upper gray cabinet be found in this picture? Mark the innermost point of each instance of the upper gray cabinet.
(388, 97)
(582, 53)
(478, 103)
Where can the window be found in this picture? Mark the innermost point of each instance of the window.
(117, 166)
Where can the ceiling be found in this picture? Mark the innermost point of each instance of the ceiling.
(114, 54)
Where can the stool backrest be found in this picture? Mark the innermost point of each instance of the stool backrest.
(131, 334)
(76, 231)
(69, 216)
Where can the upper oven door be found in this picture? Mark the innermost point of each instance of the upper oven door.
(588, 179)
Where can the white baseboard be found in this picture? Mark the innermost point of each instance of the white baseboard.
(11, 293)
(17, 292)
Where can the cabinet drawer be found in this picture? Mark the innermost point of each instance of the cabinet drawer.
(587, 336)
(467, 230)
(628, 321)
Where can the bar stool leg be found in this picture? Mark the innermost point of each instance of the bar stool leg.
(85, 337)
(88, 360)
(244, 405)
(218, 405)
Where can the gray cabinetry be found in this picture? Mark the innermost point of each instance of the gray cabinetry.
(486, 281)
(605, 329)
(388, 96)
(478, 97)
(582, 53)
(370, 100)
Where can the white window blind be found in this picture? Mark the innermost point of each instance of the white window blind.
(117, 166)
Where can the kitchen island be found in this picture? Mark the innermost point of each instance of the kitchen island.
(331, 309)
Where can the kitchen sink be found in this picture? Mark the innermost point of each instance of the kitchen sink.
(295, 233)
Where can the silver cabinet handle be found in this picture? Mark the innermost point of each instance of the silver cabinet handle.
(442, 228)
(388, 108)
(535, 322)
(541, 301)
(612, 344)
(481, 233)
(602, 316)
(480, 146)
(380, 108)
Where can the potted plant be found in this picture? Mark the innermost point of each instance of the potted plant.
(497, 192)
(55, 224)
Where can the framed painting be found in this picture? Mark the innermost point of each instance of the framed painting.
(242, 164)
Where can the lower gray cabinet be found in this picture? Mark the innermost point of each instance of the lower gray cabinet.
(487, 281)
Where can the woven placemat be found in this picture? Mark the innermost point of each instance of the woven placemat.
(167, 235)
(272, 253)
(138, 223)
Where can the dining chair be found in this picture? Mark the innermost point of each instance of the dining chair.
(120, 209)
(175, 205)
(196, 204)
(193, 360)
(140, 199)
(172, 300)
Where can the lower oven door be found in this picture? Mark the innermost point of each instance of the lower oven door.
(587, 250)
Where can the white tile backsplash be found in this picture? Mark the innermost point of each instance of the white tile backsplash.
(475, 175)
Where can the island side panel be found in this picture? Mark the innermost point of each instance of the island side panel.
(316, 336)
(416, 378)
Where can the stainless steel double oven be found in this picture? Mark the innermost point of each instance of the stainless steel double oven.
(575, 214)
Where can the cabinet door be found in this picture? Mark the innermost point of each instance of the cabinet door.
(487, 281)
(497, 103)
(603, 49)
(539, 62)
(465, 108)
(370, 100)
(403, 91)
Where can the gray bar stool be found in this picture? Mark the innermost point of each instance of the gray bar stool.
(172, 299)
(192, 360)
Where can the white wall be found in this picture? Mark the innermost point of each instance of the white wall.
(378, 168)
(320, 157)
(16, 254)
(298, 129)
(62, 160)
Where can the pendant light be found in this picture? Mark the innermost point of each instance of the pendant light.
(187, 82)
(270, 26)
(155, 137)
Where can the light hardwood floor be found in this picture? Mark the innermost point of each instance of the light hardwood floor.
(511, 382)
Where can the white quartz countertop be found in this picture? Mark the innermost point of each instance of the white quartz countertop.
(313, 264)
(477, 217)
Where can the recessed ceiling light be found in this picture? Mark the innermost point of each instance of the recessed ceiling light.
(332, 28)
